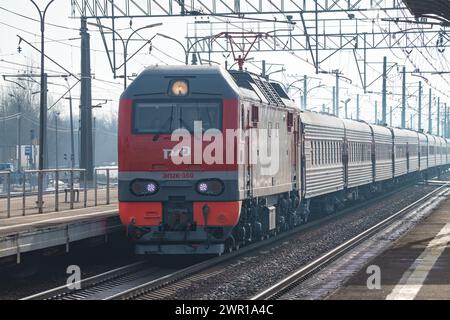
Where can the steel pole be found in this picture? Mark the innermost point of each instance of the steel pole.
(430, 112)
(438, 118)
(56, 138)
(86, 160)
(384, 98)
(403, 97)
(305, 92)
(337, 95)
(357, 108)
(419, 124)
(376, 112)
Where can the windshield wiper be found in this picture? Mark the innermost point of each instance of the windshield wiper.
(183, 122)
(156, 136)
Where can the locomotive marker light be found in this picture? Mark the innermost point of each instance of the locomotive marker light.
(141, 187)
(211, 187)
(151, 187)
(180, 88)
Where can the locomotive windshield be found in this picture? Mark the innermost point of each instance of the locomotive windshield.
(164, 118)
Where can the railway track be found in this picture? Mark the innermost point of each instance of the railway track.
(143, 281)
(165, 286)
(296, 278)
(103, 285)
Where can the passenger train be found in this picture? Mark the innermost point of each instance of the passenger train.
(199, 206)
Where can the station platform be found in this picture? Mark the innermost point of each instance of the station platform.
(415, 267)
(23, 234)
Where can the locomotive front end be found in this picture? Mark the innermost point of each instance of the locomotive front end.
(177, 191)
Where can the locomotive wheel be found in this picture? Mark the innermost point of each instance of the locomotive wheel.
(229, 244)
(305, 217)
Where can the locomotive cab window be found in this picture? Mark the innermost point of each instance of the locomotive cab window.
(164, 118)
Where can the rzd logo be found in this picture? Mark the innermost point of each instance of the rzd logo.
(180, 152)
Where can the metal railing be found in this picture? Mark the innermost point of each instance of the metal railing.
(24, 185)
(107, 171)
(7, 183)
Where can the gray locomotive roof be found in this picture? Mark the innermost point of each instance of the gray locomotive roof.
(213, 80)
(183, 70)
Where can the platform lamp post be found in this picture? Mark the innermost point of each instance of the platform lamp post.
(187, 50)
(186, 53)
(345, 102)
(43, 109)
(125, 45)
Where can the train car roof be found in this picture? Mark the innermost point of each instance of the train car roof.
(309, 117)
(431, 138)
(381, 130)
(356, 125)
(422, 136)
(398, 132)
(441, 139)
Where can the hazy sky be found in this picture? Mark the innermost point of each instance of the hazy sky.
(62, 44)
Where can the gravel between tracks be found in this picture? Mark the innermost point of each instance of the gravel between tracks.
(247, 275)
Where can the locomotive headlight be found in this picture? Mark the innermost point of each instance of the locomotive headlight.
(142, 187)
(179, 88)
(210, 187)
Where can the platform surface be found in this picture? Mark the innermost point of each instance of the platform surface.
(41, 231)
(416, 267)
(36, 221)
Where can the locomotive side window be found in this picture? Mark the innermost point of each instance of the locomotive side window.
(242, 117)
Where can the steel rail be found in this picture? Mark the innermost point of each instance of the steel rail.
(295, 278)
(65, 290)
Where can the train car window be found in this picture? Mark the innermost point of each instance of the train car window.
(321, 153)
(336, 152)
(328, 152)
(351, 151)
(318, 153)
(313, 158)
